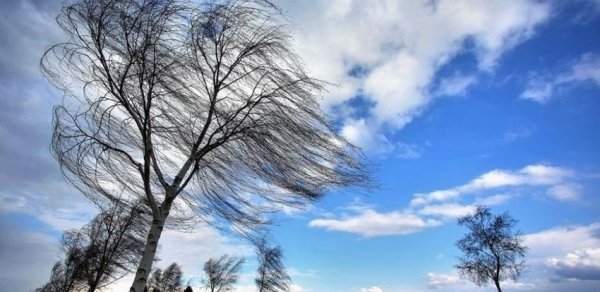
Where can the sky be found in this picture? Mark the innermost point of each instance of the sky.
(456, 103)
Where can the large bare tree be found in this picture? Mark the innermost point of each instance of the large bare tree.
(493, 250)
(198, 110)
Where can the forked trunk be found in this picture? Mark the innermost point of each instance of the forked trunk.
(145, 266)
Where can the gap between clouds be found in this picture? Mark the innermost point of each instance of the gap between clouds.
(427, 210)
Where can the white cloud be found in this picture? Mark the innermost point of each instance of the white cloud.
(371, 289)
(455, 85)
(400, 46)
(363, 133)
(559, 241)
(493, 200)
(565, 192)
(581, 264)
(451, 210)
(531, 175)
(296, 288)
(545, 87)
(435, 280)
(371, 223)
(564, 258)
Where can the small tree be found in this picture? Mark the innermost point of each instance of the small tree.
(222, 273)
(272, 276)
(112, 244)
(65, 276)
(168, 280)
(492, 250)
(99, 253)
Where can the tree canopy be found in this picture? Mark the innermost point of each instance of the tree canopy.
(492, 250)
(222, 273)
(271, 275)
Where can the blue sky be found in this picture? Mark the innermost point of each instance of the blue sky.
(456, 103)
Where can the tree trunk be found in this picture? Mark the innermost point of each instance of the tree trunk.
(94, 285)
(497, 283)
(92, 288)
(145, 266)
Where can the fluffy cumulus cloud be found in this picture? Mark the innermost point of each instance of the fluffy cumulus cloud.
(390, 53)
(427, 210)
(565, 258)
(581, 264)
(543, 87)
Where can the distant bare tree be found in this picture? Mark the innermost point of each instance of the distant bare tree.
(204, 110)
(168, 280)
(67, 274)
(64, 278)
(493, 251)
(113, 245)
(101, 252)
(222, 273)
(272, 276)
